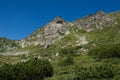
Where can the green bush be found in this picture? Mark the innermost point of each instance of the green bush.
(65, 61)
(106, 51)
(66, 51)
(94, 72)
(69, 51)
(34, 69)
(111, 60)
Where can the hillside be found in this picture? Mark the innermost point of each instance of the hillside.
(87, 46)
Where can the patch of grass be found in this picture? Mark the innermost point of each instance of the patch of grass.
(111, 60)
(84, 59)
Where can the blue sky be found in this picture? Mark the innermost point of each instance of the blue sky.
(19, 18)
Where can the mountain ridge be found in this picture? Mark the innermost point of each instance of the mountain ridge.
(58, 28)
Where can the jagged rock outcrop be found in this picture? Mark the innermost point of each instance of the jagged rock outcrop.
(48, 34)
(54, 30)
(98, 20)
(6, 44)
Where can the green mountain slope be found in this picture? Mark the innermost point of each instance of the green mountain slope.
(85, 49)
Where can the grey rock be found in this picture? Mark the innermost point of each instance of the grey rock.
(97, 20)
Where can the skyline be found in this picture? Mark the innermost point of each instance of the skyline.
(20, 18)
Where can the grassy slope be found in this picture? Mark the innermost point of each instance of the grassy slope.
(109, 35)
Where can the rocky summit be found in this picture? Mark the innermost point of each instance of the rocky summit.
(48, 34)
(98, 20)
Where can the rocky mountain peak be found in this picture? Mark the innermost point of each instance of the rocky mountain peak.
(56, 23)
(59, 20)
(92, 21)
(54, 29)
(51, 32)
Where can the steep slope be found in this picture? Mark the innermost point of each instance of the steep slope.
(58, 28)
(48, 34)
(59, 34)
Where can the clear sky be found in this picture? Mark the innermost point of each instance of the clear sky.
(19, 18)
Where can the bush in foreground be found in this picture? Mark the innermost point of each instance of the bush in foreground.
(95, 72)
(65, 61)
(106, 51)
(34, 69)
